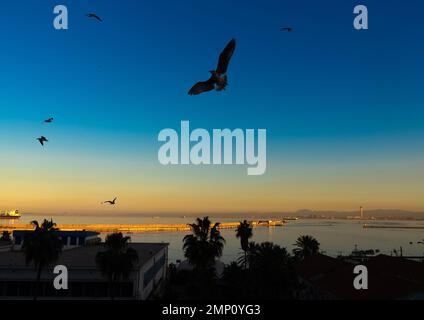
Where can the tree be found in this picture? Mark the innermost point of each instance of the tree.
(244, 233)
(271, 274)
(204, 245)
(306, 246)
(117, 261)
(42, 247)
(201, 248)
(6, 236)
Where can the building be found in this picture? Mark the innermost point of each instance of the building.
(70, 239)
(85, 281)
(389, 278)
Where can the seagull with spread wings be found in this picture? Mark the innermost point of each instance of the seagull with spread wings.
(288, 29)
(95, 16)
(42, 139)
(49, 120)
(113, 202)
(218, 79)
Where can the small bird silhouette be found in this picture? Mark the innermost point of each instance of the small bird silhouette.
(95, 16)
(42, 139)
(218, 79)
(289, 29)
(113, 202)
(49, 120)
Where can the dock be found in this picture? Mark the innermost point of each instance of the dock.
(127, 227)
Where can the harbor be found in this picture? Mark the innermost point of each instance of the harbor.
(148, 227)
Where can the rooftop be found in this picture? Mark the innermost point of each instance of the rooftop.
(78, 233)
(316, 266)
(82, 256)
(389, 277)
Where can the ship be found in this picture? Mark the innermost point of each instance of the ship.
(14, 214)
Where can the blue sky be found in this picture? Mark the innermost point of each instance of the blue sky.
(326, 92)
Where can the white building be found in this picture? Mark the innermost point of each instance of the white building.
(85, 279)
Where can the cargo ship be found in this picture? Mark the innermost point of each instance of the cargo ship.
(14, 214)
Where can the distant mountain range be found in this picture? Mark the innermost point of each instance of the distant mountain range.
(307, 213)
(304, 213)
(377, 213)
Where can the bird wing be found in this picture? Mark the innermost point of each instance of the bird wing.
(93, 15)
(202, 86)
(114, 199)
(225, 57)
(41, 141)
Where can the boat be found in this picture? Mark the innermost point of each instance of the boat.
(14, 214)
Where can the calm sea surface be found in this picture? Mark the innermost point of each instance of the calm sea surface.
(335, 236)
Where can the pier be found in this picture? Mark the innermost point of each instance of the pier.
(132, 227)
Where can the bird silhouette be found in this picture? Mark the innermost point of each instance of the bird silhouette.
(95, 16)
(49, 120)
(42, 139)
(218, 79)
(289, 29)
(113, 202)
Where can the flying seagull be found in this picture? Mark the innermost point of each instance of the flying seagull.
(110, 202)
(42, 139)
(218, 79)
(49, 120)
(289, 29)
(95, 16)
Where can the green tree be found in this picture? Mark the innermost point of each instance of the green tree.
(117, 261)
(244, 233)
(42, 247)
(306, 246)
(204, 245)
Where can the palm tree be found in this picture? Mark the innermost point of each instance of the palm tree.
(306, 246)
(42, 247)
(204, 245)
(270, 272)
(117, 261)
(267, 254)
(5, 236)
(234, 280)
(244, 232)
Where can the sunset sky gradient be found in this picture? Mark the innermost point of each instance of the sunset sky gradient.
(343, 108)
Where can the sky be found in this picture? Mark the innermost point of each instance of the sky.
(343, 108)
